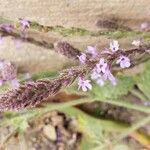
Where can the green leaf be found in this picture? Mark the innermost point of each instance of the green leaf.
(87, 144)
(86, 122)
(121, 147)
(143, 81)
(46, 74)
(20, 123)
(108, 91)
(3, 20)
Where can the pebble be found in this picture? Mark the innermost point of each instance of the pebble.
(50, 132)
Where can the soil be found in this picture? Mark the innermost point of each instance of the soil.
(52, 131)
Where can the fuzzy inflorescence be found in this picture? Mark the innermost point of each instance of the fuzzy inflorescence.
(28, 95)
(32, 93)
(66, 49)
(8, 73)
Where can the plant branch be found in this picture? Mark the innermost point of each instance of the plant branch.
(32, 93)
(127, 132)
(126, 105)
(138, 94)
(134, 127)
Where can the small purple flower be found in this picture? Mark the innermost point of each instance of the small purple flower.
(147, 103)
(8, 73)
(148, 51)
(82, 58)
(84, 84)
(14, 83)
(100, 82)
(17, 42)
(24, 23)
(92, 50)
(1, 39)
(100, 78)
(109, 76)
(101, 66)
(95, 75)
(7, 27)
(124, 62)
(114, 46)
(1, 82)
(144, 26)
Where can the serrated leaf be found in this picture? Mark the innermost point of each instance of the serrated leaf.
(108, 91)
(143, 81)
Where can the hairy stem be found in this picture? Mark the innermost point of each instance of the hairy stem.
(123, 103)
(138, 94)
(126, 133)
(135, 127)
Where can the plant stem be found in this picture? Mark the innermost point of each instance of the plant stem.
(134, 127)
(128, 105)
(11, 134)
(138, 94)
(63, 105)
(127, 132)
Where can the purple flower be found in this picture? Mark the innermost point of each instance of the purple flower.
(109, 76)
(92, 50)
(100, 78)
(95, 75)
(8, 73)
(124, 62)
(1, 39)
(100, 82)
(148, 51)
(14, 83)
(82, 58)
(114, 46)
(100, 73)
(147, 103)
(24, 23)
(17, 42)
(101, 66)
(1, 82)
(144, 26)
(84, 84)
(7, 27)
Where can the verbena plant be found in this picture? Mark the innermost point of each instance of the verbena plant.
(97, 77)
